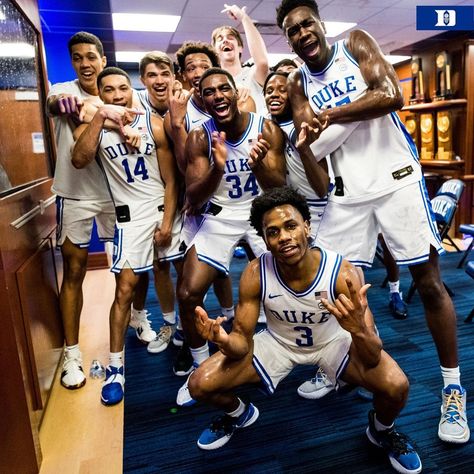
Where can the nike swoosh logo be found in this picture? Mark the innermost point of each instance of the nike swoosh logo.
(273, 296)
(194, 121)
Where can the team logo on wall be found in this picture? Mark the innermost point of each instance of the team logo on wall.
(446, 17)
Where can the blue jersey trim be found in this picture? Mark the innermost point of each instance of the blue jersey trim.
(348, 54)
(245, 134)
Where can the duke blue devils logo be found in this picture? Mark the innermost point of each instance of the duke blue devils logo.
(446, 17)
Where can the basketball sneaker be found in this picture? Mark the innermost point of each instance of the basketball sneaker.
(222, 428)
(397, 306)
(183, 398)
(183, 365)
(72, 375)
(453, 427)
(317, 387)
(142, 325)
(161, 341)
(400, 449)
(112, 389)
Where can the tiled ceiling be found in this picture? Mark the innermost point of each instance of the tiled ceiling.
(391, 23)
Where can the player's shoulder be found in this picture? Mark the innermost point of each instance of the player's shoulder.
(66, 87)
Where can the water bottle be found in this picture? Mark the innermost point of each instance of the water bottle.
(97, 370)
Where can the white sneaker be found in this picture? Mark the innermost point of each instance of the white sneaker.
(183, 398)
(161, 341)
(72, 376)
(140, 322)
(317, 387)
(453, 427)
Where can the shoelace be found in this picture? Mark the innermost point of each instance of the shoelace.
(320, 376)
(68, 361)
(114, 373)
(165, 333)
(454, 406)
(397, 442)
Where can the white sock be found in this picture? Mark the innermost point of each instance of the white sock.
(239, 410)
(451, 375)
(229, 313)
(200, 354)
(170, 318)
(380, 426)
(179, 326)
(138, 313)
(73, 351)
(116, 359)
(394, 286)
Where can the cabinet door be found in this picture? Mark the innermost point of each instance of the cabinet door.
(38, 290)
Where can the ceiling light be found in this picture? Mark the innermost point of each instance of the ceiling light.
(17, 50)
(145, 22)
(395, 59)
(129, 56)
(335, 28)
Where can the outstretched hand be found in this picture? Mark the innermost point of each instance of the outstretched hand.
(210, 329)
(314, 129)
(120, 115)
(178, 104)
(69, 104)
(234, 11)
(350, 313)
(258, 151)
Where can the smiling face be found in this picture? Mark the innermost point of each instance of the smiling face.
(194, 66)
(116, 89)
(286, 234)
(276, 97)
(227, 46)
(219, 97)
(306, 35)
(88, 64)
(157, 78)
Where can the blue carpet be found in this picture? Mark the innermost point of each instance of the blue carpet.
(294, 435)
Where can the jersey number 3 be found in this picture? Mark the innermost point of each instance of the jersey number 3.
(306, 336)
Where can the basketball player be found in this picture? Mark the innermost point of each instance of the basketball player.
(316, 310)
(379, 185)
(143, 186)
(229, 159)
(82, 195)
(229, 46)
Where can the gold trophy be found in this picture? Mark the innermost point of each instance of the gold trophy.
(411, 124)
(444, 122)
(417, 84)
(427, 136)
(443, 76)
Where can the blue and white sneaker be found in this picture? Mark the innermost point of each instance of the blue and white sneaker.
(183, 398)
(178, 338)
(401, 452)
(397, 306)
(222, 428)
(112, 389)
(453, 427)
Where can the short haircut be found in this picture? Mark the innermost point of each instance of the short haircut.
(286, 6)
(273, 198)
(217, 70)
(273, 74)
(233, 30)
(155, 57)
(284, 62)
(84, 37)
(111, 71)
(193, 47)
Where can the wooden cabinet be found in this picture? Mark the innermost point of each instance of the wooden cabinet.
(460, 109)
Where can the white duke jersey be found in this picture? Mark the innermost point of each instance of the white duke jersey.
(146, 104)
(133, 175)
(195, 116)
(70, 182)
(296, 175)
(298, 319)
(238, 186)
(379, 156)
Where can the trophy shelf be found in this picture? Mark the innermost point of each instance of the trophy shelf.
(442, 163)
(435, 105)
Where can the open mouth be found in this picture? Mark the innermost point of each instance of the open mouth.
(288, 250)
(275, 105)
(310, 49)
(161, 90)
(222, 110)
(87, 74)
(227, 48)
